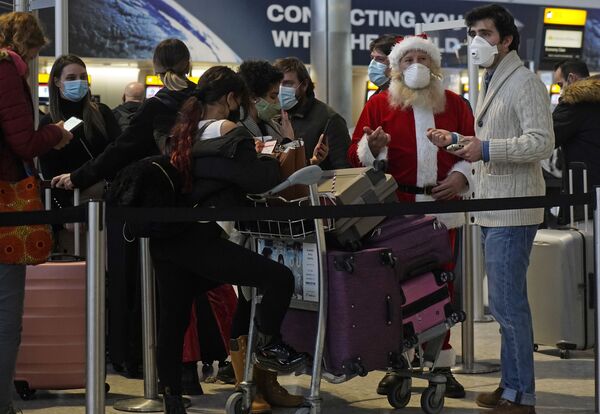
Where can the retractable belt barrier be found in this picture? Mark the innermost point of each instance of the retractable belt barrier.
(95, 214)
(179, 215)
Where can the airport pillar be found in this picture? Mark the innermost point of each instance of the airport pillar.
(331, 54)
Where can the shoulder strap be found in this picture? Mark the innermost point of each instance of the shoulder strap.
(204, 127)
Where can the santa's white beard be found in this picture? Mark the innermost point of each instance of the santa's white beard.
(433, 96)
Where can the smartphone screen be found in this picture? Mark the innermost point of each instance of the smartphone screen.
(72, 123)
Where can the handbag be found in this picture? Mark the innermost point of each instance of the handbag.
(291, 157)
(28, 244)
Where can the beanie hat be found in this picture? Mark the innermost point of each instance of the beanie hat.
(418, 42)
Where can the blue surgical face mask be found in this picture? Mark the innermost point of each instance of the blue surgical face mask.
(287, 97)
(377, 73)
(75, 90)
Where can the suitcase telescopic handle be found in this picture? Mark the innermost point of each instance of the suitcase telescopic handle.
(47, 187)
(581, 166)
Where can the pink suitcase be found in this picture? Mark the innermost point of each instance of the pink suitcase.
(426, 304)
(53, 341)
(52, 351)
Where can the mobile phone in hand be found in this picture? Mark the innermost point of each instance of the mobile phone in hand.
(454, 147)
(72, 123)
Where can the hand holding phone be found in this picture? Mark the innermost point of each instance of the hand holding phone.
(72, 123)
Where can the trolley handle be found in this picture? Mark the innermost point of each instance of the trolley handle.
(304, 176)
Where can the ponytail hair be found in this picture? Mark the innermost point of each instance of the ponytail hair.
(183, 134)
(171, 61)
(174, 81)
(215, 83)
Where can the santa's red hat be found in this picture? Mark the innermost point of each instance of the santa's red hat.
(418, 42)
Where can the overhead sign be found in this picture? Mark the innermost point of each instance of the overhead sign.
(263, 29)
(565, 17)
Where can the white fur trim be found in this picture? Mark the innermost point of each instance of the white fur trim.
(426, 151)
(466, 169)
(414, 43)
(365, 156)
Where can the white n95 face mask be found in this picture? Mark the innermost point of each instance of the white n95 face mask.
(482, 52)
(417, 76)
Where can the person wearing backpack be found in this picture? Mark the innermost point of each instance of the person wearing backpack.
(218, 165)
(133, 97)
(145, 136)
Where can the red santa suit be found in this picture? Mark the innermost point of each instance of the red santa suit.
(412, 159)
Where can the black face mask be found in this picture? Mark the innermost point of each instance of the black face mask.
(234, 115)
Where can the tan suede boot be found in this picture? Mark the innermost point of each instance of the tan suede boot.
(274, 393)
(238, 349)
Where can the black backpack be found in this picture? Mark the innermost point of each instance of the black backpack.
(150, 182)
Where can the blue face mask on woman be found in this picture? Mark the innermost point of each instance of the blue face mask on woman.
(75, 90)
(377, 73)
(287, 97)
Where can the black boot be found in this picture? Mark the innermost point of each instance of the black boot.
(173, 403)
(454, 389)
(190, 382)
(388, 382)
(273, 354)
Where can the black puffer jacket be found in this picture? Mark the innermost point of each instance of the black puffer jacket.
(577, 126)
(227, 168)
(146, 133)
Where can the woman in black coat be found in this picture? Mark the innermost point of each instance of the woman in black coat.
(70, 96)
(219, 166)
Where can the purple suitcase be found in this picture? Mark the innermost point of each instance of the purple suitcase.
(420, 243)
(364, 326)
(426, 304)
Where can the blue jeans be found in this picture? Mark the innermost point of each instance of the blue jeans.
(506, 251)
(12, 293)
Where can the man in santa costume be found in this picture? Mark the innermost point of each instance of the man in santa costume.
(393, 127)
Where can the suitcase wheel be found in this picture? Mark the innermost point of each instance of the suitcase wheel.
(22, 388)
(536, 347)
(399, 395)
(442, 278)
(432, 399)
(458, 317)
(565, 354)
(235, 404)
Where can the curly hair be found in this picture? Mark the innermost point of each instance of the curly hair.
(259, 76)
(21, 32)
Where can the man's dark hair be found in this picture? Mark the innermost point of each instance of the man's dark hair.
(503, 20)
(259, 76)
(576, 66)
(293, 64)
(384, 43)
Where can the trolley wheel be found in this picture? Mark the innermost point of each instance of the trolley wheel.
(235, 404)
(429, 403)
(22, 388)
(106, 387)
(536, 347)
(399, 395)
(565, 354)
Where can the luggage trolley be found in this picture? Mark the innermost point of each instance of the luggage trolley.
(432, 399)
(240, 402)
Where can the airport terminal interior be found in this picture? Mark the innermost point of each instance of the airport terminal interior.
(116, 40)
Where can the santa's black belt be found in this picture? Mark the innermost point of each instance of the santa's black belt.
(412, 189)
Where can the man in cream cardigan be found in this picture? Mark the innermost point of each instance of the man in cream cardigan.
(513, 133)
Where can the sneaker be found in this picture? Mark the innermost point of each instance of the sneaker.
(226, 373)
(279, 356)
(489, 399)
(454, 389)
(508, 407)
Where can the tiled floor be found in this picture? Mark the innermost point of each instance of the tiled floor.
(563, 386)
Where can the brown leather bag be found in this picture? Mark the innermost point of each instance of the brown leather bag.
(291, 158)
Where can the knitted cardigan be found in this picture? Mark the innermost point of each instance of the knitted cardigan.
(514, 116)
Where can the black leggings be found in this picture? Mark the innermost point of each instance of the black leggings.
(197, 261)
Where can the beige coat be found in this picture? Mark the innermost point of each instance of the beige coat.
(514, 115)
